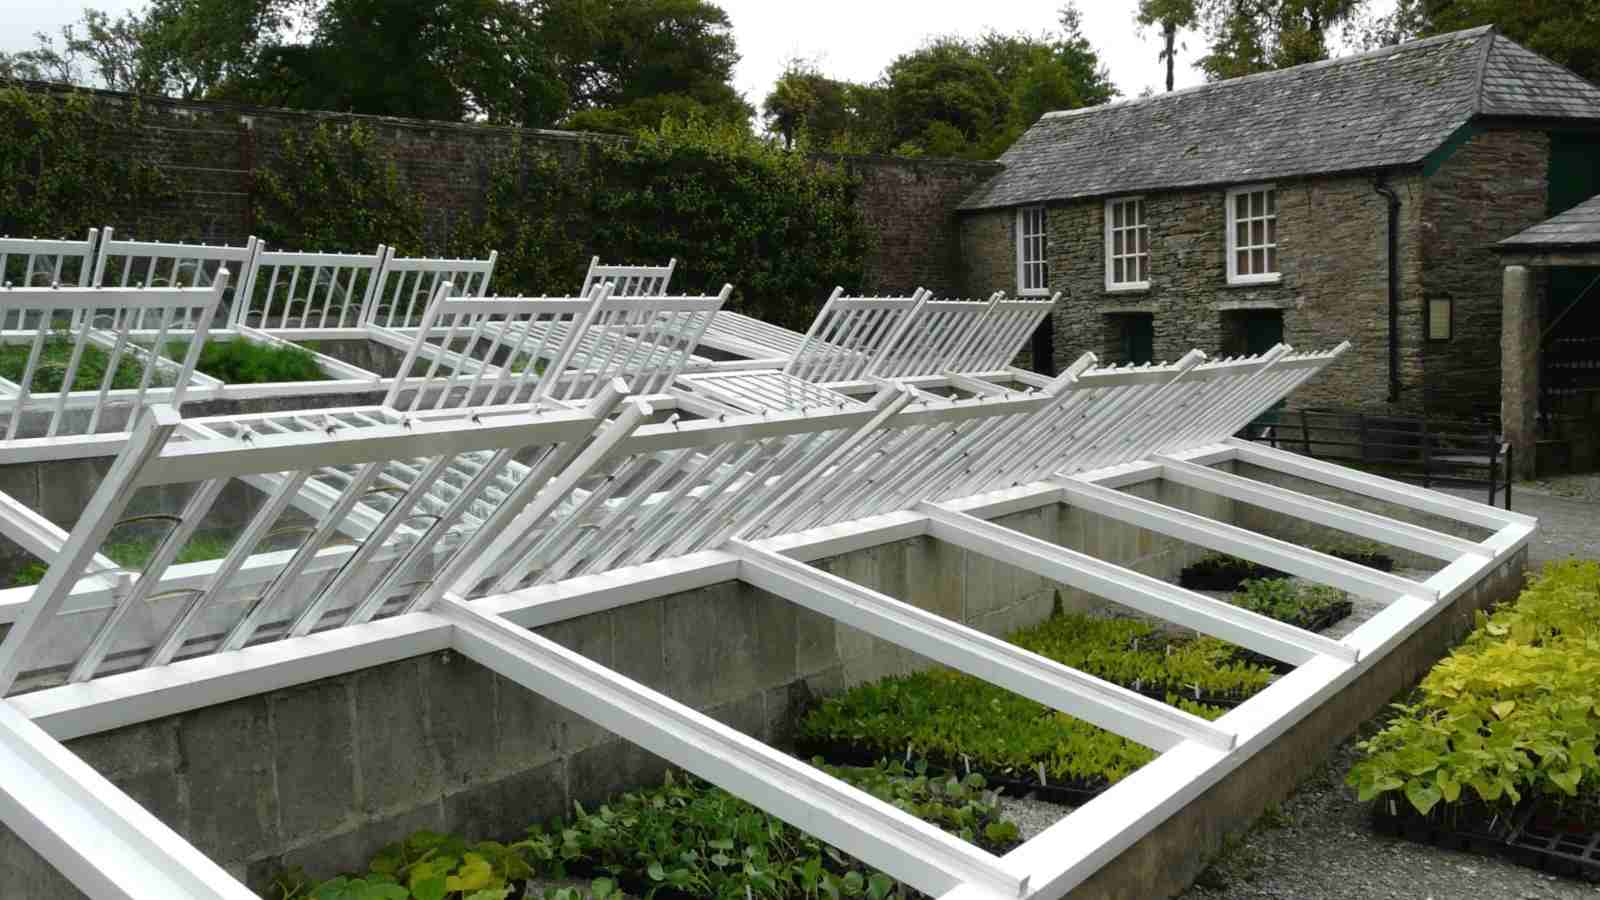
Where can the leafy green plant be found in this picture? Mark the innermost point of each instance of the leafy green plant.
(332, 188)
(1367, 553)
(681, 837)
(243, 362)
(55, 357)
(1298, 603)
(1513, 712)
(55, 179)
(1222, 572)
(960, 722)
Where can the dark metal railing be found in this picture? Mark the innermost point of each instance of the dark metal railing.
(1432, 451)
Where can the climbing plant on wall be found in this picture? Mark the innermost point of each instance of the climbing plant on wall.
(55, 178)
(782, 227)
(332, 188)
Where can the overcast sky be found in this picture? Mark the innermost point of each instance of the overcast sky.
(849, 39)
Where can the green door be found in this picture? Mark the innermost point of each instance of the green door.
(1570, 312)
(1263, 330)
(1139, 338)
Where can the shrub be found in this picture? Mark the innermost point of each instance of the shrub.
(1298, 603)
(958, 721)
(682, 837)
(51, 371)
(243, 362)
(1514, 711)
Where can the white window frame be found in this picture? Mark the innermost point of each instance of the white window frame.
(1023, 262)
(1234, 277)
(1137, 202)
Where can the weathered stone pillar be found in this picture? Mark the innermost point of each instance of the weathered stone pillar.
(1519, 366)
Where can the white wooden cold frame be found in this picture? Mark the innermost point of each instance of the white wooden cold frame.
(813, 486)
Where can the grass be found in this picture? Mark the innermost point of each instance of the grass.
(133, 553)
(54, 358)
(233, 362)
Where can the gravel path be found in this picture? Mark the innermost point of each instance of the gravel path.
(1320, 847)
(1032, 816)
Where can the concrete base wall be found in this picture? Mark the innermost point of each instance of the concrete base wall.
(321, 776)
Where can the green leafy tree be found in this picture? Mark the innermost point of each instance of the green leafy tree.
(1248, 36)
(1565, 31)
(830, 114)
(629, 64)
(1171, 15)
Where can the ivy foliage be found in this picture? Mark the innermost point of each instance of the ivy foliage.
(1513, 712)
(333, 189)
(779, 226)
(55, 178)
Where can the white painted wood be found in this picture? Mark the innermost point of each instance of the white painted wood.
(879, 834)
(35, 262)
(405, 285)
(629, 281)
(1348, 519)
(1148, 595)
(295, 294)
(1114, 708)
(128, 263)
(107, 845)
(1258, 548)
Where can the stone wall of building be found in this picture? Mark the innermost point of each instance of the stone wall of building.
(210, 151)
(1332, 251)
(1490, 188)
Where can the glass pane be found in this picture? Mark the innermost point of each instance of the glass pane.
(1241, 262)
(1258, 232)
(1116, 271)
(1272, 259)
(1241, 206)
(1044, 275)
(1117, 215)
(1144, 240)
(1258, 204)
(1272, 202)
(1272, 231)
(1258, 261)
(1241, 235)
(1116, 242)
(1138, 214)
(1144, 268)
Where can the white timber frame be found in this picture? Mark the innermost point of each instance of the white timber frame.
(612, 506)
(46, 262)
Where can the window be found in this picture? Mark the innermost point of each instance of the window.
(1253, 235)
(1127, 245)
(1441, 314)
(1033, 268)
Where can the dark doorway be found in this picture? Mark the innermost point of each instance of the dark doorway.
(1251, 332)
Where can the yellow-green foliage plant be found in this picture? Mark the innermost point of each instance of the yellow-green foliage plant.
(1513, 712)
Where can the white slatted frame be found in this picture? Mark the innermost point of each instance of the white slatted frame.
(414, 281)
(44, 261)
(287, 268)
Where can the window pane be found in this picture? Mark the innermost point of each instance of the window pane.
(1241, 235)
(1241, 206)
(1272, 202)
(1258, 232)
(1258, 261)
(1272, 259)
(1144, 240)
(1116, 215)
(1138, 215)
(1241, 262)
(1258, 204)
(1272, 231)
(1144, 268)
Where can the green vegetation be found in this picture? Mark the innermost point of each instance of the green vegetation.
(1298, 603)
(1513, 712)
(54, 358)
(133, 553)
(957, 721)
(683, 837)
(242, 362)
(1221, 572)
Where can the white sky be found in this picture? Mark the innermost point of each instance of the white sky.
(849, 39)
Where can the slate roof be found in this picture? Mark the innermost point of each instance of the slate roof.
(1378, 110)
(1578, 227)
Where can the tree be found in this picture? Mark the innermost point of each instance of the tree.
(1565, 31)
(1248, 36)
(830, 115)
(640, 60)
(1171, 15)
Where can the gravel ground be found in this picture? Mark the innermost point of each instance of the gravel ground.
(1032, 816)
(1320, 847)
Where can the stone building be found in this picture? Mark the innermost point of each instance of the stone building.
(1354, 199)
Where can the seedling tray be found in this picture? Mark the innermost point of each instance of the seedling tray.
(1531, 835)
(1068, 793)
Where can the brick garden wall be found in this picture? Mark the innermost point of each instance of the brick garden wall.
(1491, 188)
(211, 149)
